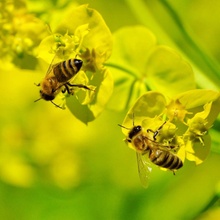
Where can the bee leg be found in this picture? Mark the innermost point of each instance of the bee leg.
(157, 131)
(78, 85)
(37, 84)
(174, 173)
(64, 90)
(68, 89)
(56, 105)
(154, 132)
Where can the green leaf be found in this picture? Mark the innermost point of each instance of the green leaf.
(168, 72)
(44, 50)
(81, 112)
(151, 104)
(138, 64)
(132, 46)
(128, 64)
(162, 18)
(197, 152)
(96, 101)
(198, 97)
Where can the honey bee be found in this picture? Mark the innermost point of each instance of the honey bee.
(57, 79)
(157, 153)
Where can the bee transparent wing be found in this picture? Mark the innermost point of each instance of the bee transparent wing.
(144, 169)
(52, 65)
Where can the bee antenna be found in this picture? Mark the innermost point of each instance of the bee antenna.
(38, 99)
(133, 118)
(56, 105)
(123, 127)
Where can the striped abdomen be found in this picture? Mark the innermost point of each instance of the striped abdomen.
(165, 159)
(65, 70)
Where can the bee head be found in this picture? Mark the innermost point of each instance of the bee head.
(134, 131)
(46, 96)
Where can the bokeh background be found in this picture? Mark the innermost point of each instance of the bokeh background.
(52, 166)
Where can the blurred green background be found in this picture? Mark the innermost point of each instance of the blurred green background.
(54, 167)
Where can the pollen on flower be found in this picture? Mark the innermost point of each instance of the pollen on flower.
(169, 133)
(197, 129)
(176, 111)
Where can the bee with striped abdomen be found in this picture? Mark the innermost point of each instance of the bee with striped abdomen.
(158, 153)
(57, 79)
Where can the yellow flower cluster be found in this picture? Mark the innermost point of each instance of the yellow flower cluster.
(20, 31)
(188, 117)
(88, 38)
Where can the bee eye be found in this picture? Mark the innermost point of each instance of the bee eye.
(138, 128)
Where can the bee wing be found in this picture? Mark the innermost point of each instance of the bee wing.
(52, 65)
(144, 169)
(170, 148)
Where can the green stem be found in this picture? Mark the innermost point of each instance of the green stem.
(130, 94)
(112, 65)
(211, 203)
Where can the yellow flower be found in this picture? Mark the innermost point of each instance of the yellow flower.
(20, 31)
(176, 111)
(88, 38)
(183, 122)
